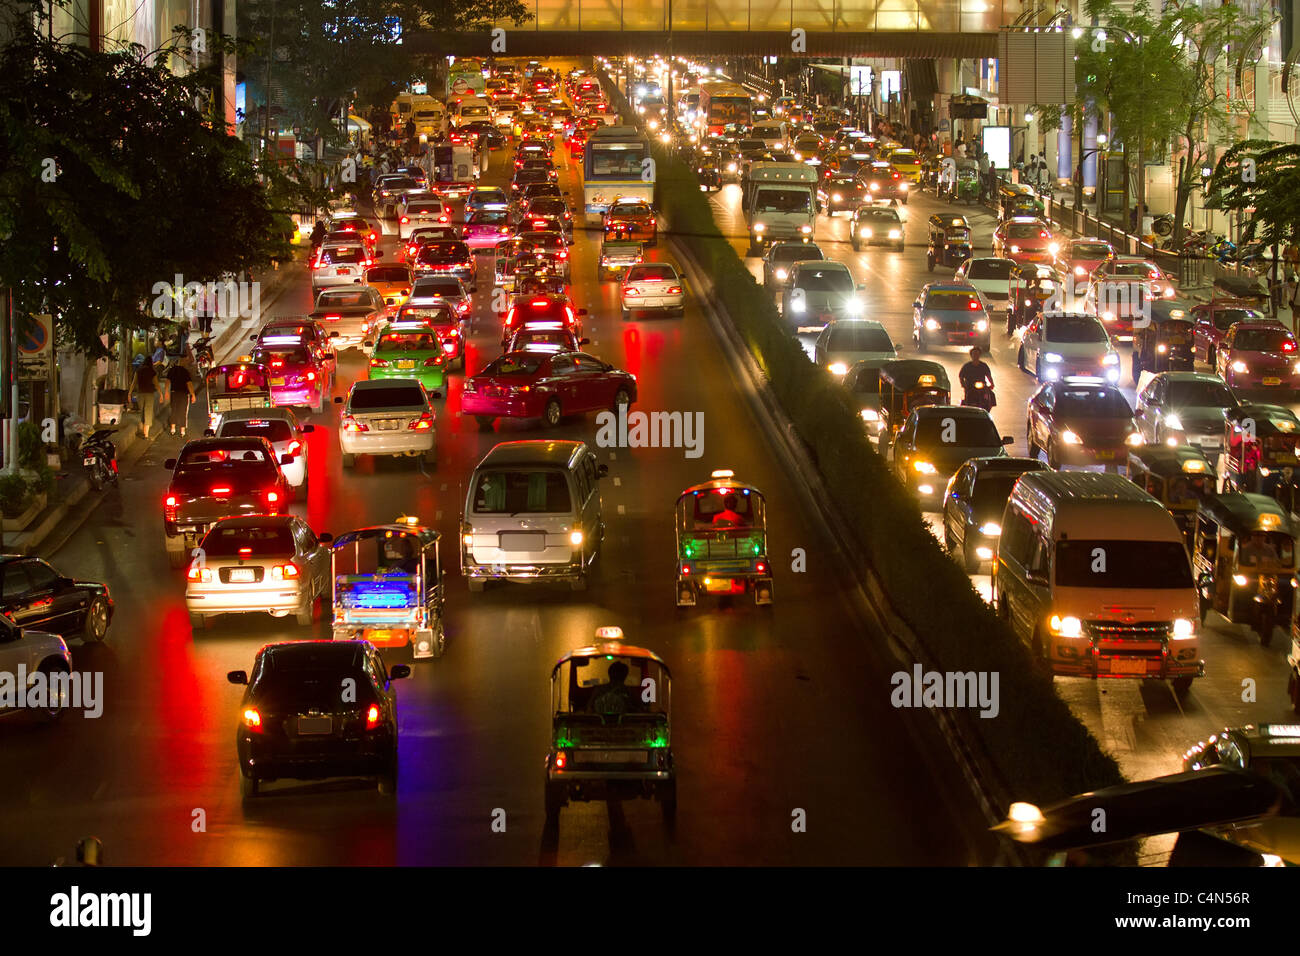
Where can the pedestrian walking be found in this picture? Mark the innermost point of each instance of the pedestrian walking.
(180, 393)
(984, 176)
(144, 384)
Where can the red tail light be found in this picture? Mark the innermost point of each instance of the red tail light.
(294, 448)
(422, 424)
(332, 318)
(561, 760)
(674, 290)
(437, 359)
(284, 572)
(277, 363)
(1288, 346)
(406, 219)
(252, 719)
(272, 497)
(1043, 235)
(972, 305)
(223, 490)
(169, 508)
(350, 424)
(563, 254)
(311, 376)
(686, 569)
(630, 292)
(378, 363)
(761, 567)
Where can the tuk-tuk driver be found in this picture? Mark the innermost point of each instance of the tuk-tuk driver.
(728, 517)
(1255, 549)
(617, 698)
(400, 554)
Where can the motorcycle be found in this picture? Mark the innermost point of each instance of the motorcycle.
(203, 357)
(979, 395)
(99, 458)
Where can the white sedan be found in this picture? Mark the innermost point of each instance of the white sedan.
(279, 426)
(35, 652)
(652, 287)
(1059, 344)
(259, 564)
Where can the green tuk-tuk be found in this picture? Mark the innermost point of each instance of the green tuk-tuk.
(722, 541)
(906, 384)
(1179, 476)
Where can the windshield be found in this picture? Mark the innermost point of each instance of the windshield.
(992, 491)
(1090, 250)
(343, 298)
(440, 314)
(548, 206)
(609, 685)
(1156, 565)
(867, 214)
(213, 460)
(516, 365)
(277, 356)
(1200, 395)
(651, 273)
(1142, 270)
(350, 254)
(972, 432)
(615, 160)
(431, 287)
(630, 210)
(782, 200)
(412, 341)
(825, 280)
(904, 156)
(386, 396)
(1024, 230)
(1264, 340)
(1075, 328)
(990, 269)
(246, 542)
(273, 430)
(1224, 318)
(1092, 404)
(1265, 548)
(522, 492)
(445, 252)
(377, 274)
(951, 300)
(858, 340)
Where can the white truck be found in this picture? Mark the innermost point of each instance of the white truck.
(780, 202)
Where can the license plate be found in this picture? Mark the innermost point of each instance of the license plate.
(277, 381)
(718, 584)
(241, 575)
(388, 424)
(1272, 381)
(1105, 454)
(609, 756)
(315, 725)
(406, 363)
(1121, 665)
(88, 460)
(523, 541)
(341, 271)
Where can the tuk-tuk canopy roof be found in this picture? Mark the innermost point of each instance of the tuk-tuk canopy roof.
(1241, 287)
(1167, 310)
(245, 366)
(949, 221)
(612, 647)
(397, 529)
(723, 480)
(1268, 419)
(1163, 461)
(908, 373)
(1242, 513)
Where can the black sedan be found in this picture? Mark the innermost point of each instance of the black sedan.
(35, 595)
(489, 135)
(973, 504)
(316, 709)
(842, 192)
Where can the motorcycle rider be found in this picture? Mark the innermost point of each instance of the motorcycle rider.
(973, 372)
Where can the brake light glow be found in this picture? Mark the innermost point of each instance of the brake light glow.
(674, 290)
(221, 491)
(972, 305)
(377, 362)
(284, 572)
(169, 508)
(272, 497)
(350, 424)
(294, 448)
(372, 717)
(252, 719)
(202, 575)
(422, 424)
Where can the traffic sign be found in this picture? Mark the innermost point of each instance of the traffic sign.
(35, 335)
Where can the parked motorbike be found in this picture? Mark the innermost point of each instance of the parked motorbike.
(980, 395)
(99, 458)
(203, 358)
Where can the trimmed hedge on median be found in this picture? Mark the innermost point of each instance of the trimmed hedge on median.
(1035, 747)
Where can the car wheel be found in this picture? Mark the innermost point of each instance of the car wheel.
(1053, 459)
(1182, 685)
(626, 313)
(96, 625)
(348, 460)
(621, 397)
(551, 413)
(668, 801)
(579, 583)
(431, 455)
(484, 422)
(49, 669)
(970, 561)
(1020, 357)
(301, 493)
(248, 786)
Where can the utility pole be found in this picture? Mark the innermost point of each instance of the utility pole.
(270, 58)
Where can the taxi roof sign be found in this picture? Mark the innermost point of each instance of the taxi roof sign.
(408, 520)
(1194, 466)
(925, 380)
(723, 473)
(609, 633)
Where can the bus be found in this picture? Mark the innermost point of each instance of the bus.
(614, 167)
(465, 81)
(722, 105)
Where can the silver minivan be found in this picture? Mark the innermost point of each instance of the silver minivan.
(533, 513)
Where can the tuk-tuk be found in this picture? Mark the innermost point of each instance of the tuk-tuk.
(611, 736)
(722, 541)
(950, 241)
(616, 255)
(966, 187)
(863, 383)
(1180, 476)
(1244, 560)
(1030, 290)
(906, 384)
(1258, 439)
(1165, 343)
(1015, 199)
(237, 385)
(1246, 289)
(388, 587)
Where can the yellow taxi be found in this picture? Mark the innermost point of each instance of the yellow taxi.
(907, 163)
(392, 281)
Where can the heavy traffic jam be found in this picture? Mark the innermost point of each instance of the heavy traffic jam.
(456, 467)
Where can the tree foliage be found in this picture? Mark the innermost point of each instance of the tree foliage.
(1260, 179)
(116, 179)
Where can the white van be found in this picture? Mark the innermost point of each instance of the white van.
(533, 513)
(1093, 574)
(773, 133)
(429, 116)
(472, 109)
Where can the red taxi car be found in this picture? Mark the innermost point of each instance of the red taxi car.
(1080, 258)
(1024, 240)
(1121, 292)
(1259, 355)
(546, 386)
(1213, 319)
(632, 219)
(524, 311)
(578, 144)
(298, 377)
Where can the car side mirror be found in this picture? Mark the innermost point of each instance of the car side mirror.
(602, 471)
(209, 433)
(334, 335)
(237, 677)
(338, 399)
(286, 459)
(584, 341)
(1036, 577)
(252, 338)
(324, 537)
(377, 254)
(1008, 440)
(308, 429)
(169, 464)
(399, 671)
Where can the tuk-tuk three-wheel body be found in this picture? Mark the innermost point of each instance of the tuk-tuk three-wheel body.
(388, 587)
(1033, 288)
(236, 385)
(611, 736)
(721, 528)
(1018, 199)
(1244, 558)
(1166, 342)
(906, 384)
(964, 184)
(1258, 440)
(1179, 476)
(949, 241)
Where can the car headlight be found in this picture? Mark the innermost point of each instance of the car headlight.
(1052, 357)
(1070, 438)
(1174, 422)
(575, 538)
(1239, 366)
(1135, 439)
(1067, 626)
(925, 468)
(836, 197)
(932, 325)
(798, 306)
(981, 325)
(731, 167)
(1240, 580)
(865, 233)
(895, 234)
(1015, 249)
(838, 368)
(853, 306)
(805, 229)
(1296, 368)
(903, 186)
(759, 227)
(782, 274)
(991, 529)
(1053, 247)
(1111, 358)
(1080, 271)
(1183, 629)
(870, 415)
(874, 187)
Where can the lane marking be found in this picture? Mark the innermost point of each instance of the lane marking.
(620, 509)
(437, 516)
(618, 482)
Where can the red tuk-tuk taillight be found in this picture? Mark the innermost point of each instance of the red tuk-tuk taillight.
(374, 717)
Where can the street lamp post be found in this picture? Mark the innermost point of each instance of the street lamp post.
(1078, 176)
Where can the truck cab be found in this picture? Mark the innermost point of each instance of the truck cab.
(780, 202)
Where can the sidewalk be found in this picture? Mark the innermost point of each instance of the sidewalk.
(57, 523)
